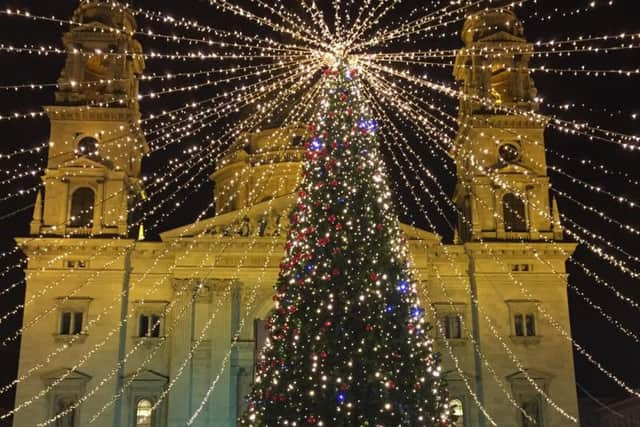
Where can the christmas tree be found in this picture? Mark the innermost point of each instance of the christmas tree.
(348, 342)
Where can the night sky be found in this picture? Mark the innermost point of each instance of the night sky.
(618, 353)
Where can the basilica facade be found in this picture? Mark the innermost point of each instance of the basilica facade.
(127, 332)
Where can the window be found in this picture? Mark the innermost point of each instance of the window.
(64, 404)
(297, 141)
(144, 413)
(149, 325)
(525, 325)
(77, 263)
(457, 412)
(530, 324)
(452, 325)
(514, 213)
(260, 335)
(524, 268)
(534, 414)
(87, 147)
(82, 202)
(71, 322)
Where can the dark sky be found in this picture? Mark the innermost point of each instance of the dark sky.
(617, 352)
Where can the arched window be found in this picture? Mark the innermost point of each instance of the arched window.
(143, 413)
(82, 202)
(513, 210)
(457, 412)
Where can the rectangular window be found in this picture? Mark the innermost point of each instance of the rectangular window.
(149, 325)
(524, 325)
(76, 263)
(155, 326)
(531, 325)
(65, 324)
(77, 323)
(452, 326)
(71, 323)
(519, 325)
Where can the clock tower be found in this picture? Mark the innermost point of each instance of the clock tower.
(96, 144)
(510, 229)
(503, 187)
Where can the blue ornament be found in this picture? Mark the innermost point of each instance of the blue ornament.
(341, 397)
(403, 286)
(416, 312)
(368, 125)
(316, 144)
(389, 308)
(309, 267)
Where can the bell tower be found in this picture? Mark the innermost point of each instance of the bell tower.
(503, 187)
(96, 144)
(510, 230)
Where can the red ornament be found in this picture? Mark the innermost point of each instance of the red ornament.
(369, 327)
(373, 276)
(336, 272)
(379, 227)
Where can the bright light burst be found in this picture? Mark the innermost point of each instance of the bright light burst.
(266, 71)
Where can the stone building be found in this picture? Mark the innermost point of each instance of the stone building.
(114, 326)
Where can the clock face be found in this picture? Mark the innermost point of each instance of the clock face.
(509, 153)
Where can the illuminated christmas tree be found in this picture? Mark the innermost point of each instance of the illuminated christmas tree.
(348, 342)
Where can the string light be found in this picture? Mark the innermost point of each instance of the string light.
(346, 39)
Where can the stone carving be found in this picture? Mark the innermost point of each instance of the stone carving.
(272, 224)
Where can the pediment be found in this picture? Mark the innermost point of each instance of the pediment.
(83, 163)
(455, 375)
(68, 374)
(147, 375)
(513, 169)
(521, 376)
(266, 219)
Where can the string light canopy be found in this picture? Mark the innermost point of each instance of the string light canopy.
(362, 73)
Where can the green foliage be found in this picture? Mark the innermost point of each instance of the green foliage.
(348, 342)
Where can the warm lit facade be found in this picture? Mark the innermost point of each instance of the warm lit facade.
(123, 314)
